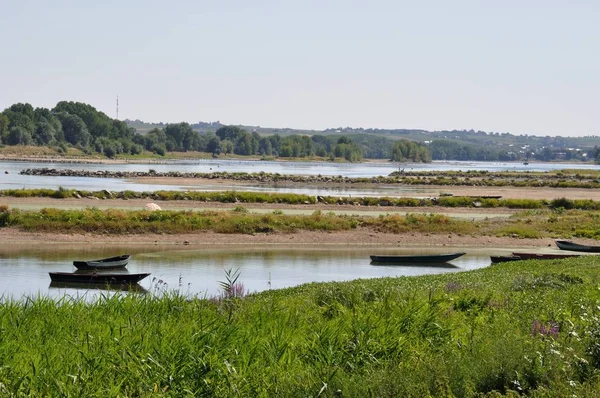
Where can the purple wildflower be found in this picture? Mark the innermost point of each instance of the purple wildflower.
(545, 329)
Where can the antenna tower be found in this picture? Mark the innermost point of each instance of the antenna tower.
(117, 107)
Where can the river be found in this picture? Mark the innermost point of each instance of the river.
(11, 179)
(195, 272)
(198, 272)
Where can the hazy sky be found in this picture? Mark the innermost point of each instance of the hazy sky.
(524, 67)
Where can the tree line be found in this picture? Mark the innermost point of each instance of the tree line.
(67, 124)
(80, 125)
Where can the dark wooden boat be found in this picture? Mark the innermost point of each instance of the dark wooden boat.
(543, 256)
(110, 278)
(415, 259)
(576, 247)
(486, 197)
(105, 263)
(502, 259)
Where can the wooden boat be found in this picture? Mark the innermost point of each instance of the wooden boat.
(105, 263)
(415, 259)
(110, 278)
(502, 259)
(516, 256)
(543, 256)
(576, 247)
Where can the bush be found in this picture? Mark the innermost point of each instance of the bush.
(562, 202)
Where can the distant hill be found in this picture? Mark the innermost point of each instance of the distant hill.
(507, 141)
(211, 127)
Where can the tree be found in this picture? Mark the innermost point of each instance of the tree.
(243, 144)
(18, 119)
(226, 146)
(181, 136)
(410, 151)
(44, 133)
(156, 141)
(3, 126)
(120, 130)
(25, 109)
(265, 147)
(97, 123)
(348, 149)
(107, 147)
(255, 142)
(545, 155)
(229, 132)
(19, 136)
(74, 129)
(214, 145)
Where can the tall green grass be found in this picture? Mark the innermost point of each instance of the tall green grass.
(528, 329)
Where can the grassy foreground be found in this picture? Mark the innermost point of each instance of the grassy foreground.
(528, 328)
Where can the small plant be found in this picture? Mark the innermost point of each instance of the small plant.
(562, 203)
(550, 329)
(231, 287)
(232, 292)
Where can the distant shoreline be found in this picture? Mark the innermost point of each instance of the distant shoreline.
(95, 160)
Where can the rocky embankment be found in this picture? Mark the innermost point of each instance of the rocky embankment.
(256, 177)
(468, 178)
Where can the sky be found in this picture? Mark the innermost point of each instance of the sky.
(522, 67)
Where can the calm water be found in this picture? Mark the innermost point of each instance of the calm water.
(24, 271)
(198, 272)
(13, 180)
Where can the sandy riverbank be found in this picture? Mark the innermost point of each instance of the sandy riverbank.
(418, 190)
(344, 239)
(355, 238)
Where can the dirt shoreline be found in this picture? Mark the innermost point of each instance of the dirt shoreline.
(418, 191)
(307, 239)
(344, 239)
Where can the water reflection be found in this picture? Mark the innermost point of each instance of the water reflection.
(67, 286)
(408, 264)
(198, 272)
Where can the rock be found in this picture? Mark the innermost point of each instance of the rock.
(152, 207)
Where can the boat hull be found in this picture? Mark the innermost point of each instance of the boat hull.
(103, 278)
(543, 256)
(568, 245)
(105, 263)
(417, 259)
(503, 259)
